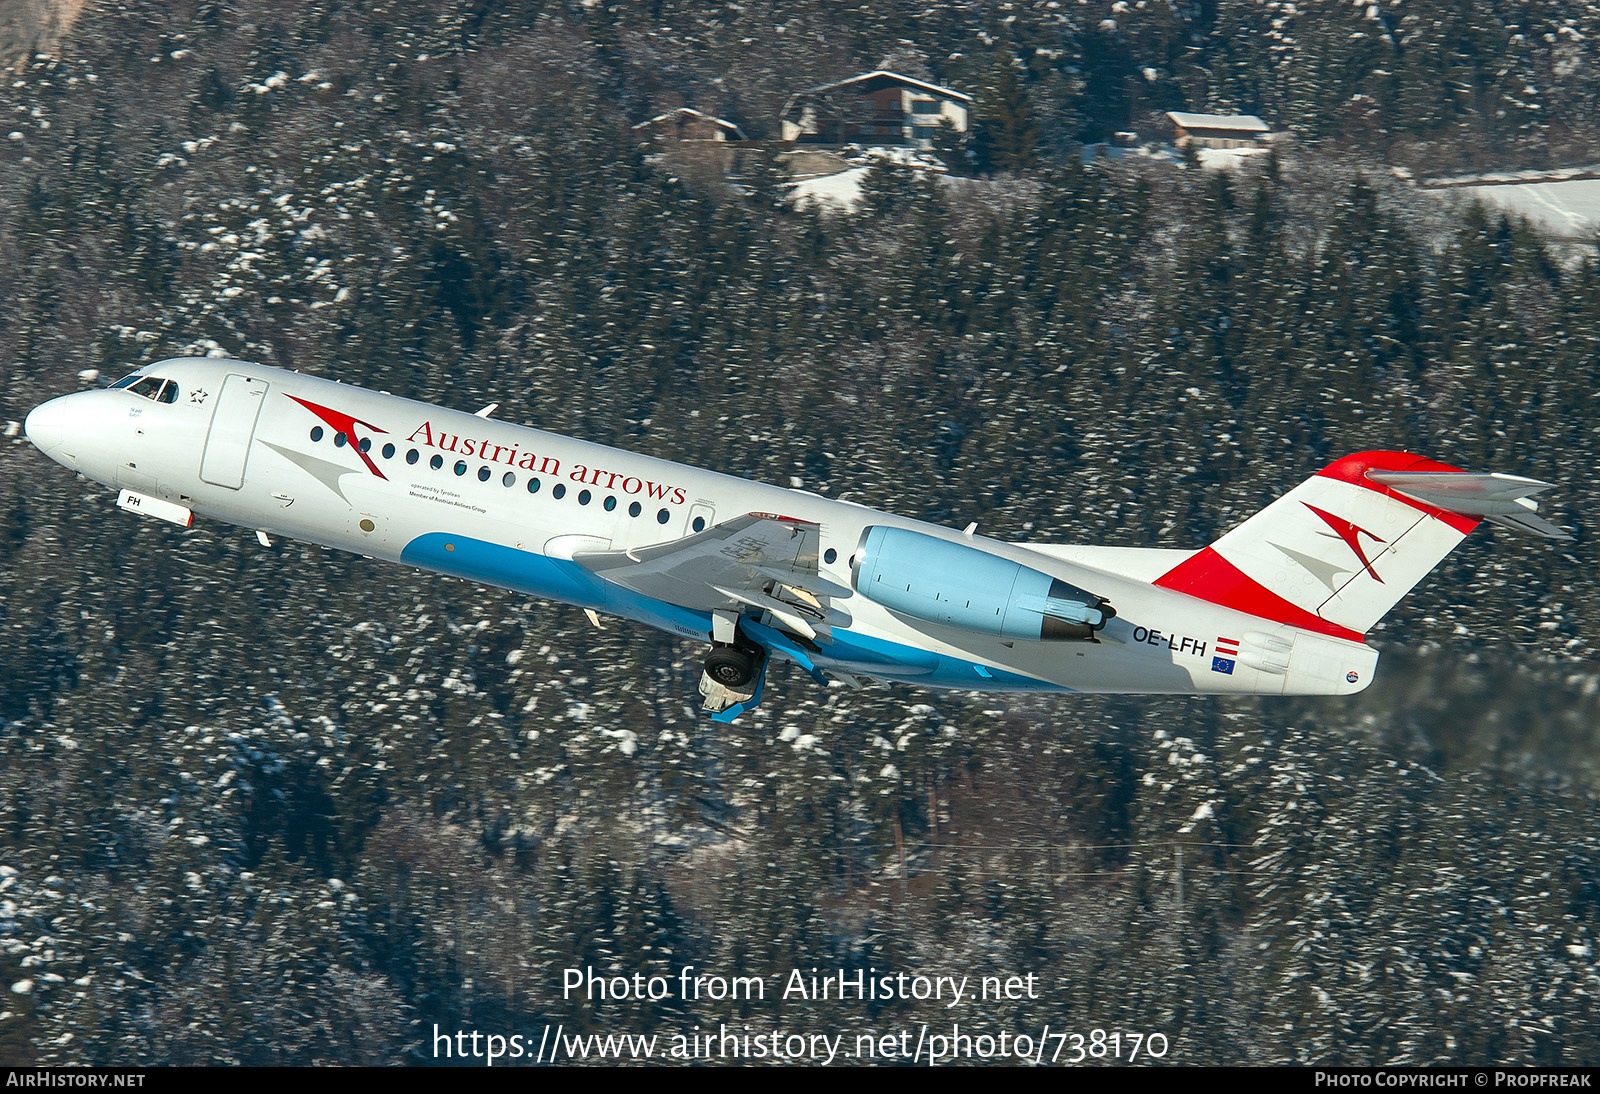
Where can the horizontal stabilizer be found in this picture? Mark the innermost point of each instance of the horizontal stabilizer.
(1501, 499)
(1529, 524)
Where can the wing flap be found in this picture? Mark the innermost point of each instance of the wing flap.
(731, 566)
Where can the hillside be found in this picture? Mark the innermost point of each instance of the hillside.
(34, 26)
(292, 807)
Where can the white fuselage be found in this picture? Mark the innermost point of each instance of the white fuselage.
(452, 495)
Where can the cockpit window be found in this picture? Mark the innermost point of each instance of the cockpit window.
(126, 380)
(154, 387)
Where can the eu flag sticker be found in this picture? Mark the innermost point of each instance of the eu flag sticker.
(1223, 665)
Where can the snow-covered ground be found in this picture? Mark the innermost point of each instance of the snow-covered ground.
(1212, 159)
(1568, 211)
(1229, 159)
(1163, 153)
(840, 193)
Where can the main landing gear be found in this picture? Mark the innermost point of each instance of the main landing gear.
(732, 679)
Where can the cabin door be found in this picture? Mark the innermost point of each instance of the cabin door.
(233, 424)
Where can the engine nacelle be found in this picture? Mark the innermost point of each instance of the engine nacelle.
(960, 586)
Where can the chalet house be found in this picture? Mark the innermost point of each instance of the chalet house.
(878, 108)
(685, 124)
(1218, 130)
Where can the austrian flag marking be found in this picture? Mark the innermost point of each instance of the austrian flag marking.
(1227, 652)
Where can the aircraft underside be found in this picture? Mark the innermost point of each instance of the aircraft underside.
(737, 662)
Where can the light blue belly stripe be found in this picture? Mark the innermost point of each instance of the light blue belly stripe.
(885, 660)
(551, 578)
(569, 583)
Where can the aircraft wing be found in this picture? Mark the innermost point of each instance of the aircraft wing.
(758, 561)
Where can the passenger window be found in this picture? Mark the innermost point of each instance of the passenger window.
(436, 463)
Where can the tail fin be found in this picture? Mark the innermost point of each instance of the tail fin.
(1339, 550)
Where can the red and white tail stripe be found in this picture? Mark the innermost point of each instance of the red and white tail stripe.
(1332, 555)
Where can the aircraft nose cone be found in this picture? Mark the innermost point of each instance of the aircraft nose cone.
(46, 425)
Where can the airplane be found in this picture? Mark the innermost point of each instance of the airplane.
(1279, 605)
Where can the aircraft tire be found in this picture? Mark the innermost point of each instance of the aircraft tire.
(731, 667)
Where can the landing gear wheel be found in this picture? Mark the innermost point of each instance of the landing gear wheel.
(731, 682)
(732, 667)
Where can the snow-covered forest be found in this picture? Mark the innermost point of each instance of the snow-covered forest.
(290, 806)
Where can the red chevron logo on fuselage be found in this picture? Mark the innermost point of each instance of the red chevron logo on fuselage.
(1351, 534)
(341, 422)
